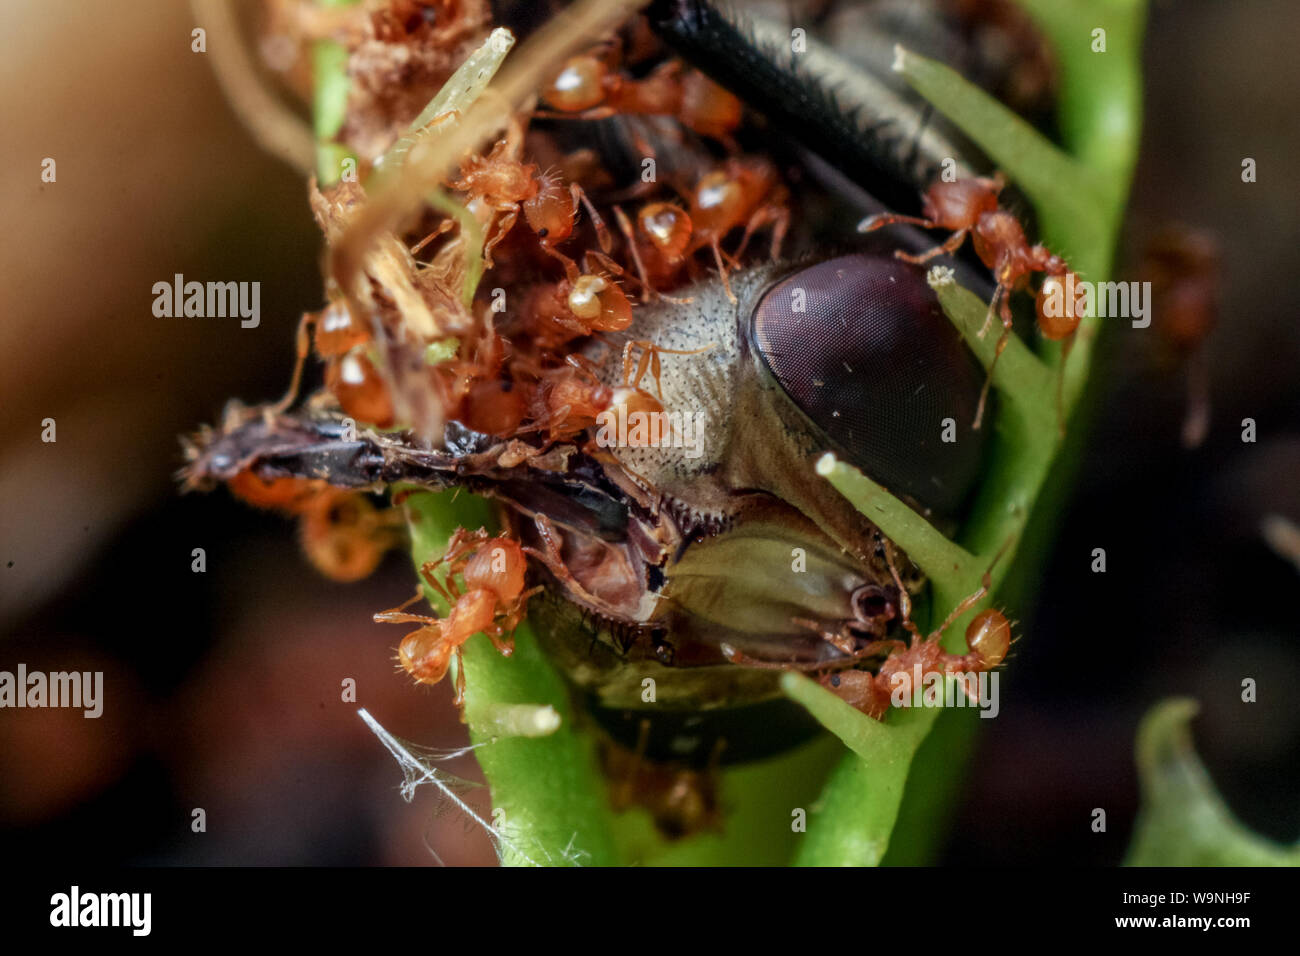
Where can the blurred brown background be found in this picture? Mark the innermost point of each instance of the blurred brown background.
(223, 688)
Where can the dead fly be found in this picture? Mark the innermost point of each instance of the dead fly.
(666, 200)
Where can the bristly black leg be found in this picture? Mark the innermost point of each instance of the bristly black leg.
(881, 140)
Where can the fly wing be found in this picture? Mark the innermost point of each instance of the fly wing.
(562, 483)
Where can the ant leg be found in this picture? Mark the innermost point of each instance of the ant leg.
(426, 572)
(442, 227)
(571, 270)
(904, 599)
(603, 261)
(882, 219)
(1005, 312)
(998, 294)
(776, 216)
(584, 364)
(497, 635)
(595, 113)
(968, 602)
(625, 227)
(722, 271)
(630, 379)
(946, 248)
(303, 344)
(780, 226)
(395, 616)
(510, 215)
(984, 397)
(459, 699)
(602, 231)
(965, 604)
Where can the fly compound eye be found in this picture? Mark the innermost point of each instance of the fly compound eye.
(860, 344)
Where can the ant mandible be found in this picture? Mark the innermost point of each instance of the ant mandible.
(970, 206)
(492, 602)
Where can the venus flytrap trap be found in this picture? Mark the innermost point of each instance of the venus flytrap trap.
(861, 800)
(504, 412)
(1184, 821)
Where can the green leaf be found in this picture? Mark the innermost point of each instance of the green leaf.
(860, 803)
(1183, 820)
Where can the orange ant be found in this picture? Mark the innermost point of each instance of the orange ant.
(659, 245)
(342, 533)
(345, 536)
(988, 639)
(492, 602)
(743, 191)
(476, 392)
(588, 88)
(501, 184)
(971, 206)
(1182, 266)
(350, 375)
(570, 399)
(557, 313)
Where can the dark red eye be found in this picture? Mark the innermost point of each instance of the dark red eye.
(861, 346)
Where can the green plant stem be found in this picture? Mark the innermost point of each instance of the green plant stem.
(330, 105)
(548, 788)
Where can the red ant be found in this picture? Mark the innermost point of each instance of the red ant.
(659, 245)
(587, 87)
(500, 184)
(1182, 266)
(988, 638)
(743, 191)
(971, 206)
(342, 533)
(572, 308)
(349, 374)
(570, 399)
(492, 602)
